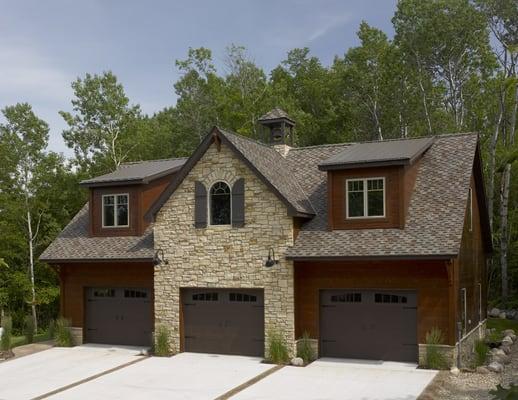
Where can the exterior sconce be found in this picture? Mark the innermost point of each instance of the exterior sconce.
(159, 258)
(271, 261)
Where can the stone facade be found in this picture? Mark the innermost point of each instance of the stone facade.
(223, 256)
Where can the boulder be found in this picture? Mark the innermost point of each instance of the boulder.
(506, 349)
(511, 314)
(505, 359)
(495, 312)
(482, 370)
(507, 341)
(497, 352)
(495, 367)
(502, 315)
(454, 371)
(297, 362)
(509, 332)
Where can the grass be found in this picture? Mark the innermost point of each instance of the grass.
(304, 350)
(481, 351)
(62, 333)
(501, 325)
(22, 340)
(277, 350)
(435, 359)
(162, 341)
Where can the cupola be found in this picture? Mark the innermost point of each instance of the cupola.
(279, 126)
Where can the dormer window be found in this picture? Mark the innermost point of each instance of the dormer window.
(365, 198)
(115, 210)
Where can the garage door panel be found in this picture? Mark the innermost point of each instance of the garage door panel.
(226, 321)
(369, 324)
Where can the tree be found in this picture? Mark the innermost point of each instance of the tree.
(101, 130)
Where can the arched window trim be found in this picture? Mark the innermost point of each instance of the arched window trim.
(209, 203)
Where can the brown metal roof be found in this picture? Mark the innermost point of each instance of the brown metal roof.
(381, 153)
(137, 172)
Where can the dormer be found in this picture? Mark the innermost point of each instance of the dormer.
(119, 200)
(370, 184)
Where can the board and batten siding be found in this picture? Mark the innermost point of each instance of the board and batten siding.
(224, 256)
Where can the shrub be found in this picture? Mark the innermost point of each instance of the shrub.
(434, 357)
(277, 350)
(62, 333)
(304, 348)
(28, 328)
(501, 393)
(481, 350)
(51, 330)
(162, 341)
(5, 341)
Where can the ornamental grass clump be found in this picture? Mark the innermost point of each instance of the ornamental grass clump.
(277, 350)
(28, 328)
(304, 349)
(62, 333)
(434, 357)
(7, 333)
(481, 352)
(162, 341)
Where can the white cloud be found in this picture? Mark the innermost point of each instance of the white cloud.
(327, 23)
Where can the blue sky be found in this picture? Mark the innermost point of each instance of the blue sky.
(45, 45)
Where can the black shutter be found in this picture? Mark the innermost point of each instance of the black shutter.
(200, 205)
(238, 203)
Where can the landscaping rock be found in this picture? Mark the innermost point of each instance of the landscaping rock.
(501, 359)
(455, 371)
(497, 352)
(502, 315)
(297, 362)
(482, 370)
(509, 332)
(507, 341)
(506, 349)
(495, 312)
(511, 314)
(495, 367)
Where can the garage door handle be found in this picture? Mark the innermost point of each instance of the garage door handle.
(91, 329)
(328, 341)
(327, 306)
(189, 304)
(409, 308)
(190, 337)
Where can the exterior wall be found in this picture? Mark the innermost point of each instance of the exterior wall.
(223, 256)
(429, 278)
(141, 198)
(472, 269)
(75, 277)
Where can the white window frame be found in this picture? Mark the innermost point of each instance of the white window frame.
(209, 204)
(365, 197)
(115, 218)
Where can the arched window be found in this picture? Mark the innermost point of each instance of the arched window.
(220, 204)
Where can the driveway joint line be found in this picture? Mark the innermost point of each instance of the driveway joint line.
(90, 378)
(248, 383)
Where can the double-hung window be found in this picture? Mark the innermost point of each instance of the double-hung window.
(115, 210)
(365, 198)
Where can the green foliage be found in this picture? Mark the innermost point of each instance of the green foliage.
(5, 340)
(481, 352)
(304, 349)
(162, 341)
(435, 358)
(277, 350)
(500, 393)
(51, 329)
(28, 328)
(501, 325)
(62, 333)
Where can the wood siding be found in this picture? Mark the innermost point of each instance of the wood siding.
(141, 197)
(76, 277)
(472, 267)
(429, 278)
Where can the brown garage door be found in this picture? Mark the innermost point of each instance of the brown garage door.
(119, 316)
(373, 324)
(223, 321)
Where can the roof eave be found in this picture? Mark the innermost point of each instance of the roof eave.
(364, 164)
(131, 181)
(92, 260)
(446, 256)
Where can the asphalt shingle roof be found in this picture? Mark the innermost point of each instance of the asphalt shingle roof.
(435, 218)
(138, 172)
(275, 114)
(74, 244)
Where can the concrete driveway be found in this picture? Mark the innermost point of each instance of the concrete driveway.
(184, 376)
(37, 374)
(331, 379)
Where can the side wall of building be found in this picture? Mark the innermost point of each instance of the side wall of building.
(224, 256)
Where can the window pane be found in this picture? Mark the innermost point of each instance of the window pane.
(122, 214)
(355, 204)
(220, 204)
(375, 203)
(109, 199)
(108, 211)
(356, 186)
(122, 199)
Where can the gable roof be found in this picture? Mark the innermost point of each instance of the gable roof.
(75, 244)
(435, 218)
(275, 115)
(375, 154)
(137, 172)
(269, 166)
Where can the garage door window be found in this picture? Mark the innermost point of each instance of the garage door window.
(245, 297)
(135, 294)
(347, 298)
(210, 296)
(104, 292)
(389, 298)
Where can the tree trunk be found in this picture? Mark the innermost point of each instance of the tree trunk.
(492, 163)
(31, 270)
(504, 239)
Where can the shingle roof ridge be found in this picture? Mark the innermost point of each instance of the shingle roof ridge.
(154, 160)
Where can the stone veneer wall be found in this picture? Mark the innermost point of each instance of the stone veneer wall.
(222, 256)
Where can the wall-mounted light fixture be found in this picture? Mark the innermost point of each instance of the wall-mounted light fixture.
(159, 258)
(271, 261)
